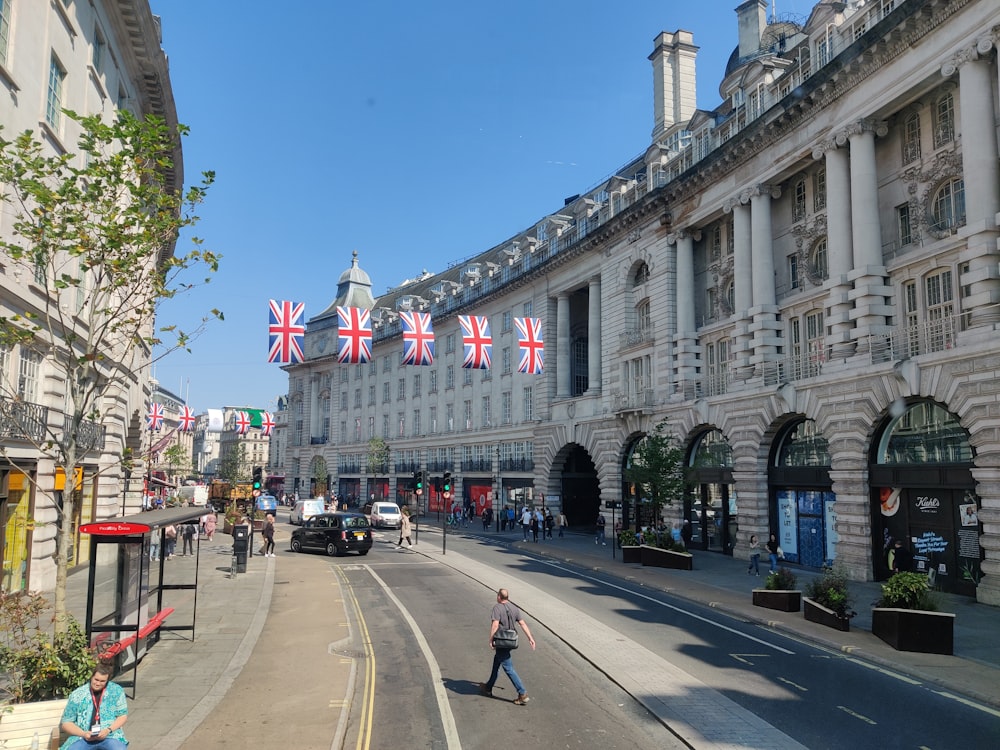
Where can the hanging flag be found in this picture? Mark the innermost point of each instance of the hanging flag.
(477, 340)
(266, 423)
(286, 335)
(418, 338)
(216, 422)
(242, 423)
(154, 420)
(529, 339)
(355, 335)
(186, 419)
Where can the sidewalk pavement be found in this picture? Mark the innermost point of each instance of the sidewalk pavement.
(181, 681)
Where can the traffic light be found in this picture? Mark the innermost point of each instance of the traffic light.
(446, 483)
(418, 481)
(258, 477)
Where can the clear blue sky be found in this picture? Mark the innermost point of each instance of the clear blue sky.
(417, 134)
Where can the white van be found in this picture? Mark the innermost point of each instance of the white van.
(303, 510)
(197, 495)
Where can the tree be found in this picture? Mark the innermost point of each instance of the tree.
(657, 468)
(96, 231)
(175, 457)
(378, 458)
(233, 464)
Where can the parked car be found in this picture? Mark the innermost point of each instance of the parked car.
(334, 533)
(386, 515)
(303, 510)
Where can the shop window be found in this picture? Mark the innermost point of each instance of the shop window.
(924, 433)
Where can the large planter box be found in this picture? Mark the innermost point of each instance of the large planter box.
(816, 612)
(915, 630)
(20, 723)
(632, 554)
(783, 600)
(656, 557)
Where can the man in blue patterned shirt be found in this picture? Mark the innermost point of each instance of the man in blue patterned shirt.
(95, 714)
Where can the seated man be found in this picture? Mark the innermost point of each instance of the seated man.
(95, 714)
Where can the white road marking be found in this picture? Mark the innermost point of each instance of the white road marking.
(794, 685)
(969, 703)
(856, 715)
(886, 672)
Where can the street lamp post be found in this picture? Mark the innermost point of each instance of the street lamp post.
(499, 491)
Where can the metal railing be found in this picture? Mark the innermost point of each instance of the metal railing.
(633, 401)
(22, 420)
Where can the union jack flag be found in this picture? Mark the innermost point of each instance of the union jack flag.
(154, 420)
(285, 333)
(355, 335)
(477, 340)
(529, 339)
(186, 419)
(418, 338)
(242, 424)
(266, 423)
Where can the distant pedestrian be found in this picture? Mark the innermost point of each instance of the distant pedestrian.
(187, 533)
(675, 533)
(210, 524)
(599, 538)
(526, 517)
(533, 525)
(504, 615)
(550, 523)
(510, 519)
(486, 519)
(154, 545)
(687, 533)
(563, 523)
(773, 553)
(902, 561)
(170, 541)
(404, 530)
(754, 555)
(268, 533)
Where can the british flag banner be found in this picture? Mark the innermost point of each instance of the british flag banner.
(286, 334)
(418, 338)
(154, 420)
(266, 423)
(354, 335)
(477, 341)
(186, 419)
(242, 422)
(529, 340)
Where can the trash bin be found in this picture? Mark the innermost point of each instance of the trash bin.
(241, 546)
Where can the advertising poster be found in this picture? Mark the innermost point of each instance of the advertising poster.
(788, 525)
(480, 495)
(969, 553)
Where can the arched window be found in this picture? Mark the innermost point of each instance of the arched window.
(948, 206)
(924, 433)
(944, 120)
(711, 451)
(641, 275)
(803, 445)
(731, 295)
(819, 260)
(911, 138)
(799, 200)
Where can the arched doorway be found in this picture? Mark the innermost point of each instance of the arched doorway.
(581, 492)
(711, 504)
(922, 492)
(802, 501)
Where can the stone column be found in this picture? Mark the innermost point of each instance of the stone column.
(594, 358)
(981, 172)
(765, 327)
(742, 284)
(562, 346)
(987, 476)
(686, 339)
(839, 248)
(871, 292)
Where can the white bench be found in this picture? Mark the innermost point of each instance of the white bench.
(21, 723)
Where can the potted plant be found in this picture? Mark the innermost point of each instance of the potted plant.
(628, 540)
(779, 592)
(42, 665)
(828, 600)
(659, 551)
(906, 617)
(232, 517)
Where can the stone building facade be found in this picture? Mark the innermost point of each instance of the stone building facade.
(802, 281)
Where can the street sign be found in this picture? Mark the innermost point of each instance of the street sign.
(613, 504)
(256, 493)
(446, 495)
(418, 492)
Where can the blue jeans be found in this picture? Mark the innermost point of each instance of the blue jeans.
(502, 658)
(773, 557)
(108, 743)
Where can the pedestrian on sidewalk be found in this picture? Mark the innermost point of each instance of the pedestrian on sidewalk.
(687, 534)
(154, 545)
(754, 555)
(210, 524)
(773, 553)
(550, 522)
(170, 540)
(526, 516)
(902, 561)
(600, 538)
(504, 615)
(95, 714)
(563, 523)
(268, 533)
(187, 534)
(404, 530)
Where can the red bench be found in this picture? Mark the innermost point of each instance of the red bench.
(144, 632)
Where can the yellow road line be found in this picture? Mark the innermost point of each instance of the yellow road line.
(368, 700)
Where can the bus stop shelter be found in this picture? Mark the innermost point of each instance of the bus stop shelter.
(133, 600)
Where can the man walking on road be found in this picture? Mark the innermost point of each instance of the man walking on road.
(504, 615)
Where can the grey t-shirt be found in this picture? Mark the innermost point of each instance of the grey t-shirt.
(506, 614)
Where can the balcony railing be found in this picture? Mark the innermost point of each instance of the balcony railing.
(89, 435)
(21, 420)
(478, 464)
(517, 464)
(638, 401)
(636, 337)
(910, 341)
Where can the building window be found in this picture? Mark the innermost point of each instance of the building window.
(385, 393)
(911, 138)
(716, 242)
(432, 385)
(357, 398)
(944, 121)
(641, 275)
(506, 405)
(467, 408)
(731, 295)
(449, 377)
(400, 389)
(434, 419)
(526, 309)
(4, 29)
(343, 375)
(948, 209)
(385, 426)
(799, 200)
(487, 412)
(940, 295)
(417, 431)
(903, 227)
(449, 411)
(579, 360)
(371, 395)
(402, 424)
(27, 375)
(529, 410)
(819, 260)
(386, 364)
(819, 190)
(644, 318)
(793, 271)
(730, 236)
(506, 360)
(343, 401)
(54, 95)
(449, 343)
(416, 384)
(97, 58)
(507, 321)
(467, 376)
